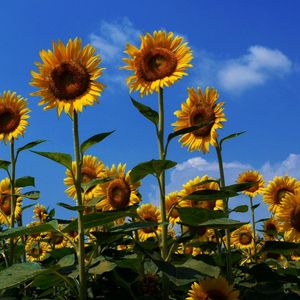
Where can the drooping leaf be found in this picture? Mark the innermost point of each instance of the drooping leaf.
(231, 136)
(256, 205)
(61, 158)
(95, 139)
(238, 187)
(146, 111)
(240, 208)
(25, 181)
(223, 223)
(4, 164)
(29, 146)
(205, 195)
(154, 167)
(18, 231)
(32, 195)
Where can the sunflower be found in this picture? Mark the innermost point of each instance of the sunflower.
(38, 236)
(13, 116)
(199, 184)
(36, 250)
(161, 60)
(67, 77)
(288, 216)
(173, 201)
(200, 108)
(187, 249)
(271, 228)
(255, 177)
(119, 192)
(213, 289)
(91, 168)
(5, 202)
(149, 213)
(277, 189)
(242, 237)
(40, 212)
(57, 239)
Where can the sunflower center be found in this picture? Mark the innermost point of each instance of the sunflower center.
(35, 252)
(69, 80)
(245, 238)
(253, 188)
(280, 195)
(118, 193)
(156, 64)
(5, 203)
(216, 295)
(271, 228)
(198, 116)
(88, 174)
(9, 120)
(295, 218)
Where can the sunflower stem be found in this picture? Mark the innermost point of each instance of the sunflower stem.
(226, 210)
(13, 197)
(80, 250)
(253, 223)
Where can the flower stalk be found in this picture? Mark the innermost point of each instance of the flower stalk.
(253, 223)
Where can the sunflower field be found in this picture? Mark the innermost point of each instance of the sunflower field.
(120, 246)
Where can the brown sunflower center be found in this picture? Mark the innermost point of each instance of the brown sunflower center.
(253, 188)
(271, 228)
(216, 295)
(295, 218)
(88, 174)
(245, 238)
(118, 193)
(36, 251)
(57, 239)
(5, 200)
(156, 64)
(9, 120)
(199, 115)
(280, 195)
(69, 80)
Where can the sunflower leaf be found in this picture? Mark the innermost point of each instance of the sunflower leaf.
(95, 139)
(32, 195)
(207, 195)
(93, 182)
(4, 164)
(231, 136)
(146, 111)
(238, 187)
(29, 146)
(25, 181)
(154, 167)
(240, 208)
(61, 158)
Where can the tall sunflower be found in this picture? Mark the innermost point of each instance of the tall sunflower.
(91, 168)
(277, 189)
(271, 229)
(173, 201)
(67, 77)
(149, 212)
(288, 216)
(256, 178)
(40, 212)
(213, 289)
(200, 107)
(200, 184)
(13, 116)
(5, 202)
(161, 60)
(242, 237)
(36, 250)
(119, 192)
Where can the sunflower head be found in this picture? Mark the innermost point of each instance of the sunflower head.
(40, 213)
(242, 237)
(160, 61)
(271, 229)
(67, 77)
(200, 108)
(13, 116)
(277, 189)
(36, 250)
(212, 289)
(256, 178)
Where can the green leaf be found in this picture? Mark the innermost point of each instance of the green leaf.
(102, 267)
(69, 207)
(223, 223)
(256, 206)
(94, 182)
(128, 227)
(280, 247)
(231, 136)
(95, 139)
(102, 218)
(205, 195)
(61, 158)
(194, 216)
(240, 208)
(32, 195)
(4, 164)
(154, 167)
(238, 187)
(25, 181)
(146, 111)
(67, 261)
(29, 146)
(27, 206)
(18, 231)
(18, 274)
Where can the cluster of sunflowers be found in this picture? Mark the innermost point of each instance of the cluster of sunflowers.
(188, 247)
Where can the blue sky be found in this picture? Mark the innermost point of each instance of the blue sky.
(248, 50)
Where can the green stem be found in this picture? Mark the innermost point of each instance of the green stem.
(80, 250)
(226, 210)
(13, 197)
(253, 223)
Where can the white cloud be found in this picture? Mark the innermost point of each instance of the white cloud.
(252, 69)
